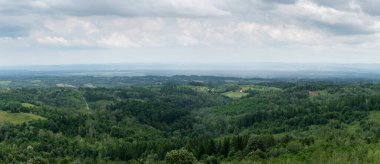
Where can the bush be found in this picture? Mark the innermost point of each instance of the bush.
(38, 160)
(181, 156)
(260, 142)
(294, 147)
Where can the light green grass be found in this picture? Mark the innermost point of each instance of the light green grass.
(4, 89)
(235, 95)
(35, 81)
(202, 89)
(5, 83)
(89, 85)
(375, 116)
(17, 118)
(352, 128)
(323, 93)
(245, 88)
(259, 88)
(27, 105)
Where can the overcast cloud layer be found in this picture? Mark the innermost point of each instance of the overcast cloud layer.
(98, 31)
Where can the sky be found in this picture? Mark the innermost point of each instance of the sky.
(54, 32)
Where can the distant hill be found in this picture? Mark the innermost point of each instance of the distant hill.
(246, 70)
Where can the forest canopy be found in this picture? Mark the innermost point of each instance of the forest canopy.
(184, 119)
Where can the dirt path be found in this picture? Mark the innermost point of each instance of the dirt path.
(87, 107)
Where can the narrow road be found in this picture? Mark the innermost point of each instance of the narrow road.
(87, 107)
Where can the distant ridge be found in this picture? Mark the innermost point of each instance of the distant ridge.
(247, 70)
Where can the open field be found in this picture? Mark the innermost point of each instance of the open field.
(17, 118)
(375, 116)
(202, 89)
(235, 95)
(5, 83)
(259, 88)
(244, 89)
(27, 105)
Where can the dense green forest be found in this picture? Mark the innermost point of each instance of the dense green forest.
(188, 119)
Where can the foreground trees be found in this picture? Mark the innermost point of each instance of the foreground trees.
(177, 123)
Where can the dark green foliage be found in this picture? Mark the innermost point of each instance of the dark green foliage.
(260, 142)
(169, 119)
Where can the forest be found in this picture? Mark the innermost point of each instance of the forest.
(188, 119)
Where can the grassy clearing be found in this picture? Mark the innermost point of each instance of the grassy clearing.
(89, 85)
(27, 105)
(313, 93)
(5, 83)
(375, 116)
(235, 95)
(319, 95)
(323, 93)
(35, 81)
(259, 88)
(201, 89)
(17, 118)
(243, 89)
(4, 89)
(352, 128)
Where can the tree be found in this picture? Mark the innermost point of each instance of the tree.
(225, 149)
(38, 160)
(211, 148)
(261, 142)
(181, 156)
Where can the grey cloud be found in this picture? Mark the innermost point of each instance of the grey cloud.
(344, 28)
(20, 7)
(141, 8)
(370, 7)
(250, 6)
(96, 12)
(166, 8)
(125, 8)
(335, 4)
(281, 1)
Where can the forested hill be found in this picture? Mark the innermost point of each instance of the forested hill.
(188, 119)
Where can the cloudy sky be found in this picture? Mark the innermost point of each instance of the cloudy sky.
(40, 32)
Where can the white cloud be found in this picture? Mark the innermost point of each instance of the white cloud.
(305, 10)
(53, 40)
(197, 8)
(118, 41)
(71, 25)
